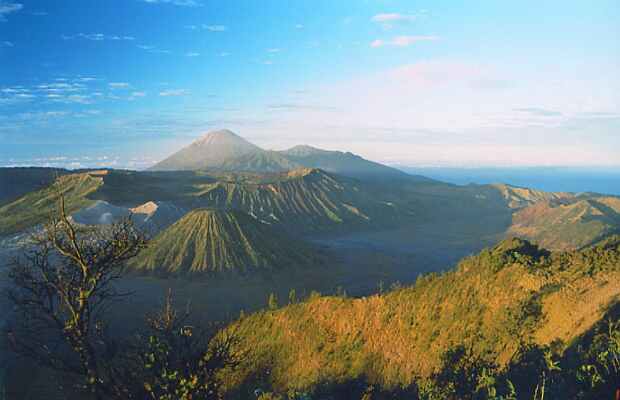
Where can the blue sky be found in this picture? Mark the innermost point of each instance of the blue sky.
(481, 83)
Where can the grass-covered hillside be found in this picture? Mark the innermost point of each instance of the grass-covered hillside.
(304, 200)
(568, 224)
(207, 241)
(36, 207)
(18, 181)
(491, 304)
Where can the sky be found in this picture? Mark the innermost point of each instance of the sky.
(124, 83)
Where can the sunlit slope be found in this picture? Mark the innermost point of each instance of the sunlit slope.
(304, 199)
(36, 207)
(519, 197)
(207, 241)
(16, 182)
(210, 151)
(568, 224)
(513, 292)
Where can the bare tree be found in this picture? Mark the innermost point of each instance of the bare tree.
(61, 287)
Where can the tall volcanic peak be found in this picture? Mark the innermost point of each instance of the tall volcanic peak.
(210, 151)
(223, 150)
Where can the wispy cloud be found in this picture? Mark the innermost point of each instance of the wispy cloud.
(299, 26)
(192, 54)
(153, 49)
(299, 106)
(539, 112)
(216, 28)
(6, 43)
(173, 92)
(184, 3)
(8, 8)
(60, 87)
(136, 95)
(389, 20)
(119, 85)
(97, 37)
(207, 27)
(403, 41)
(77, 99)
(274, 50)
(224, 54)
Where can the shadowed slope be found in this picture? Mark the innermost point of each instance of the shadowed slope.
(347, 164)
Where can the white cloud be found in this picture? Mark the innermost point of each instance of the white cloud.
(299, 26)
(97, 37)
(377, 43)
(388, 20)
(6, 43)
(184, 3)
(119, 85)
(207, 27)
(173, 92)
(403, 41)
(224, 54)
(192, 54)
(8, 8)
(136, 95)
(216, 28)
(56, 113)
(393, 17)
(79, 99)
(153, 49)
(274, 50)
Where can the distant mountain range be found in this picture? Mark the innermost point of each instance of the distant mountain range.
(224, 150)
(301, 191)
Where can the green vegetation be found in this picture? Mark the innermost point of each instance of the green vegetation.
(207, 241)
(18, 181)
(36, 207)
(568, 224)
(304, 200)
(497, 310)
